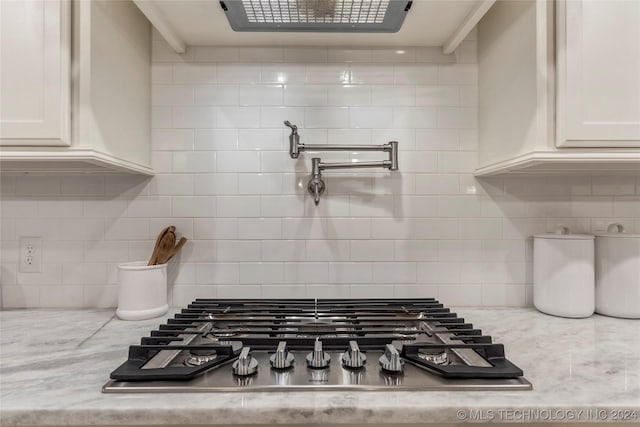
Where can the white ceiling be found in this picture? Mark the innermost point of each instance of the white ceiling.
(203, 22)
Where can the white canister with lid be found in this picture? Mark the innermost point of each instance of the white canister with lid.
(563, 273)
(618, 273)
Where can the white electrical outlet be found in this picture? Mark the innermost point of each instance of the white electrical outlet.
(31, 254)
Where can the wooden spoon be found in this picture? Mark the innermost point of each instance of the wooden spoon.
(167, 244)
(173, 252)
(154, 256)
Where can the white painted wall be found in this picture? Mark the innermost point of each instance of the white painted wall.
(225, 179)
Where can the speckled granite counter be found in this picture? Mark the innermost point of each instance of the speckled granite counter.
(54, 363)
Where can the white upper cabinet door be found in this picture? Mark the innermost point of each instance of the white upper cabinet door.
(34, 72)
(598, 73)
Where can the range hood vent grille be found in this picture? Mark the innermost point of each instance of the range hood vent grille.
(363, 16)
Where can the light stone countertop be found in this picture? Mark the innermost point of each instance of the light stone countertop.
(54, 363)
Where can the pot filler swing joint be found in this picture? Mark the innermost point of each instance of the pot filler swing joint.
(316, 185)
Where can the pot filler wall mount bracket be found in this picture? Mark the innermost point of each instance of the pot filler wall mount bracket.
(316, 185)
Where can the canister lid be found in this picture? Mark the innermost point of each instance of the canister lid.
(564, 233)
(617, 230)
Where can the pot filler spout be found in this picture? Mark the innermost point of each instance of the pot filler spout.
(316, 185)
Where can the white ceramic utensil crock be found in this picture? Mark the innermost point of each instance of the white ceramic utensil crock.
(563, 273)
(142, 292)
(618, 273)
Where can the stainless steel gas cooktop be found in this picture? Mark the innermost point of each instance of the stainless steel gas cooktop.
(306, 344)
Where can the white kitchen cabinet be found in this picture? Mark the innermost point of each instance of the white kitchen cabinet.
(598, 73)
(35, 55)
(107, 93)
(518, 97)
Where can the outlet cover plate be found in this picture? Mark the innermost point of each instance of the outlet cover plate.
(30, 254)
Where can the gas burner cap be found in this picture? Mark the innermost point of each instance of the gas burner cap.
(407, 331)
(434, 356)
(197, 358)
(225, 332)
(316, 336)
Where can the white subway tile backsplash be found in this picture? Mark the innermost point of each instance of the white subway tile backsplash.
(350, 272)
(236, 117)
(217, 273)
(84, 274)
(306, 272)
(260, 54)
(301, 95)
(238, 161)
(274, 117)
(217, 95)
(128, 229)
(87, 186)
(161, 73)
(626, 207)
(414, 117)
(457, 74)
(437, 184)
(438, 95)
(161, 117)
(238, 206)
(194, 73)
(105, 251)
(261, 95)
(371, 250)
(193, 206)
(61, 296)
(172, 139)
(259, 228)
(194, 117)
(394, 272)
(349, 95)
(215, 54)
(305, 54)
(326, 117)
(263, 183)
(370, 117)
(393, 95)
(457, 118)
(328, 74)
(239, 73)
(284, 73)
(149, 207)
(283, 250)
(415, 74)
(62, 207)
(349, 55)
(61, 251)
(303, 228)
(415, 250)
(215, 139)
(327, 250)
(372, 74)
(259, 273)
(194, 161)
(174, 184)
(212, 184)
(224, 178)
(462, 295)
(163, 95)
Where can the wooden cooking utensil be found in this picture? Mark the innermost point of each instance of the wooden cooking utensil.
(154, 256)
(172, 252)
(167, 243)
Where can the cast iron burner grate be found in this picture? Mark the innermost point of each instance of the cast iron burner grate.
(302, 344)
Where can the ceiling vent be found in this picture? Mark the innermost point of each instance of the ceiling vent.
(323, 16)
